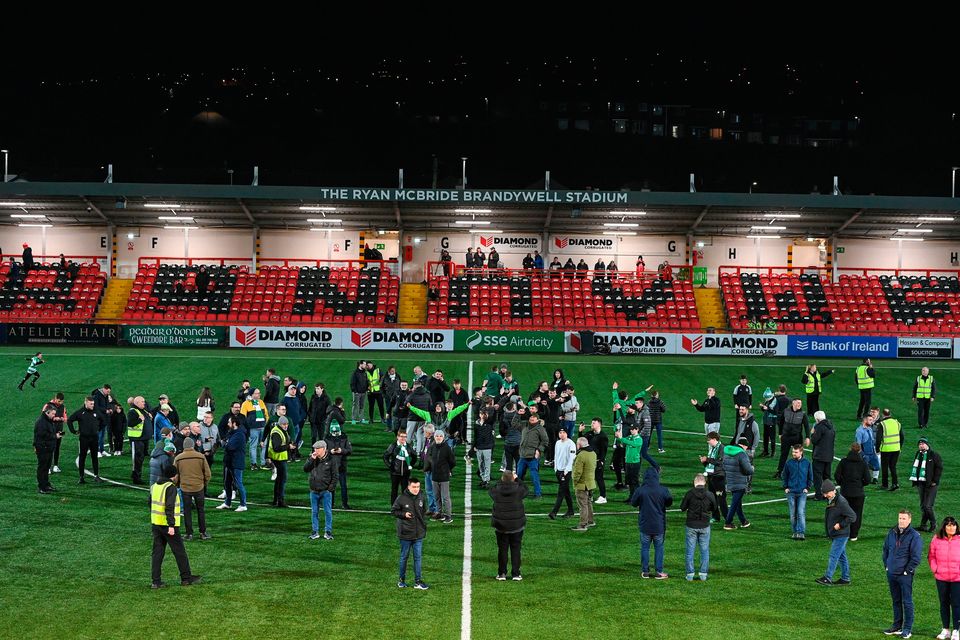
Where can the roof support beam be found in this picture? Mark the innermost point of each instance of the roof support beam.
(246, 211)
(95, 209)
(546, 223)
(396, 212)
(696, 223)
(849, 221)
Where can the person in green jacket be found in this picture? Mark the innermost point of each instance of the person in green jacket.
(584, 482)
(442, 417)
(632, 445)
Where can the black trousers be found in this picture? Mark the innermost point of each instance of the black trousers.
(633, 476)
(888, 462)
(89, 444)
(191, 500)
(513, 455)
(601, 484)
(563, 493)
(509, 542)
(56, 452)
(280, 483)
(375, 396)
(770, 437)
(160, 542)
(813, 403)
(139, 448)
(785, 446)
(856, 503)
(44, 456)
(821, 472)
(342, 479)
(923, 411)
(928, 495)
(551, 430)
(210, 459)
(949, 593)
(116, 436)
(397, 484)
(864, 407)
(619, 462)
(718, 486)
(316, 432)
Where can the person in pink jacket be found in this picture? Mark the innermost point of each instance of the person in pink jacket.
(944, 560)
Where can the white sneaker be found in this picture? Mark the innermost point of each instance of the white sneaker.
(100, 454)
(117, 453)
(601, 500)
(224, 506)
(223, 494)
(274, 475)
(55, 469)
(661, 450)
(241, 508)
(955, 635)
(233, 495)
(499, 436)
(943, 635)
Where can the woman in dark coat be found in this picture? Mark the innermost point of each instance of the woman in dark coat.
(508, 520)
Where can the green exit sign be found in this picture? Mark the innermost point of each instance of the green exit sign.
(381, 246)
(841, 249)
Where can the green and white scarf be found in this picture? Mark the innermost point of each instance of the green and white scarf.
(403, 453)
(714, 453)
(919, 473)
(258, 413)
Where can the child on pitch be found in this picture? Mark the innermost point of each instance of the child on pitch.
(35, 362)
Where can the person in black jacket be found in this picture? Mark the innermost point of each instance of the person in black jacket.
(822, 437)
(399, 459)
(440, 463)
(837, 520)
(390, 386)
(925, 475)
(437, 387)
(317, 411)
(710, 408)
(244, 391)
(103, 404)
(335, 414)
(599, 441)
(118, 427)
(359, 385)
(58, 419)
(271, 390)
(852, 476)
(794, 429)
(91, 422)
(323, 480)
(410, 512)
(698, 504)
(340, 447)
(509, 520)
(399, 413)
(45, 436)
(460, 397)
(742, 397)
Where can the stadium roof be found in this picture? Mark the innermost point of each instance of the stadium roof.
(654, 213)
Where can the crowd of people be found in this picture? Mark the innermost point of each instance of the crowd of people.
(540, 428)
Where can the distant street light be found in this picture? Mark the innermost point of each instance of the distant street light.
(752, 185)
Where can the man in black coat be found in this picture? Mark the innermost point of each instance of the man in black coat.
(822, 437)
(359, 385)
(437, 387)
(340, 448)
(599, 441)
(45, 436)
(91, 421)
(399, 459)
(925, 475)
(317, 411)
(852, 476)
(323, 480)
(440, 463)
(410, 512)
(509, 520)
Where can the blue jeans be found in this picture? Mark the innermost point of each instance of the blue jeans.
(405, 546)
(100, 435)
(428, 486)
(659, 427)
(838, 553)
(644, 448)
(736, 507)
(315, 498)
(645, 540)
(236, 475)
(570, 426)
(698, 538)
(798, 511)
(534, 465)
(901, 590)
(258, 454)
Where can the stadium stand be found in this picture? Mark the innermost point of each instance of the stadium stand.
(48, 293)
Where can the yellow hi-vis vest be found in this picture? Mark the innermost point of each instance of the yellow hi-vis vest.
(136, 431)
(863, 380)
(374, 379)
(891, 436)
(158, 505)
(285, 440)
(924, 388)
(813, 382)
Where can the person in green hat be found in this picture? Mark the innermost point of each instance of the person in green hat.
(339, 446)
(925, 475)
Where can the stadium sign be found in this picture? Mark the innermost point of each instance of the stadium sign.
(647, 343)
(925, 348)
(496, 341)
(396, 340)
(471, 196)
(509, 244)
(582, 244)
(199, 336)
(732, 345)
(106, 334)
(285, 337)
(843, 346)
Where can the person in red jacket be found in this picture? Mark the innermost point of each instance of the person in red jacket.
(944, 560)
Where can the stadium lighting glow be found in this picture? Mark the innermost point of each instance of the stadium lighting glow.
(326, 229)
(781, 215)
(473, 210)
(914, 230)
(628, 213)
(472, 222)
(619, 233)
(765, 227)
(621, 224)
(935, 219)
(317, 208)
(180, 218)
(172, 227)
(908, 239)
(765, 237)
(13, 204)
(324, 220)
(28, 216)
(40, 226)
(160, 205)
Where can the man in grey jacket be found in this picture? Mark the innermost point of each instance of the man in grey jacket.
(533, 442)
(822, 437)
(748, 428)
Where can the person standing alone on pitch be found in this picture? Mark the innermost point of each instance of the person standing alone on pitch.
(409, 510)
(45, 436)
(509, 520)
(902, 552)
(710, 408)
(165, 514)
(35, 361)
(865, 377)
(925, 475)
(652, 499)
(924, 392)
(812, 385)
(698, 504)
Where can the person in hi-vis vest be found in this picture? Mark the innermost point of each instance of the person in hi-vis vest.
(812, 385)
(890, 439)
(866, 378)
(165, 514)
(924, 390)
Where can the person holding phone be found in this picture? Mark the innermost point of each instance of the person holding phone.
(410, 513)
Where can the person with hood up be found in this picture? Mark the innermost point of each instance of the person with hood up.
(822, 437)
(852, 476)
(508, 520)
(737, 471)
(161, 460)
(652, 499)
(335, 416)
(698, 504)
(340, 448)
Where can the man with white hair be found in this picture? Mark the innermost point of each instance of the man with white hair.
(822, 436)
(139, 432)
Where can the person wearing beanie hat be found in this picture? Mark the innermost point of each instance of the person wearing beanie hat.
(323, 480)
(338, 444)
(769, 408)
(194, 473)
(737, 472)
(165, 523)
(925, 475)
(161, 460)
(823, 438)
(279, 452)
(837, 519)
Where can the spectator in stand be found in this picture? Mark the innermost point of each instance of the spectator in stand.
(569, 268)
(599, 266)
(63, 262)
(528, 262)
(612, 266)
(446, 262)
(27, 259)
(641, 266)
(582, 269)
(493, 262)
(468, 259)
(537, 261)
(391, 317)
(554, 264)
(944, 558)
(202, 280)
(479, 259)
(14, 277)
(666, 271)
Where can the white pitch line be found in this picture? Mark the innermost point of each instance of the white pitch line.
(465, 588)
